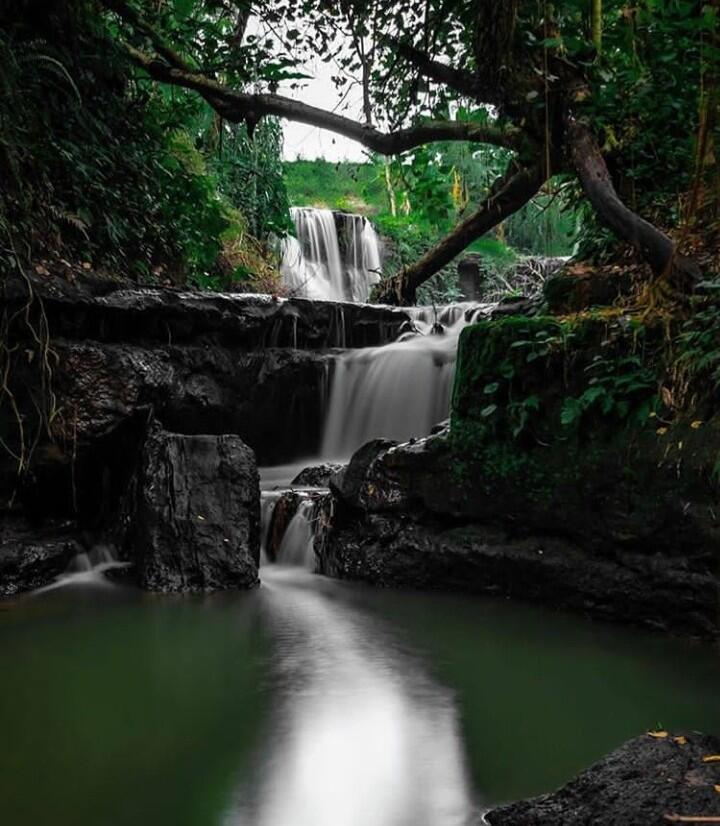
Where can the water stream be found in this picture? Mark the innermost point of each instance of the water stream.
(313, 702)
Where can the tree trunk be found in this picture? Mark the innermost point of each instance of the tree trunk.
(511, 192)
(660, 251)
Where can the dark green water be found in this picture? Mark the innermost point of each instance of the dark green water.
(311, 703)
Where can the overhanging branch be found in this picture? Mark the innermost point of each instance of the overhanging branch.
(167, 66)
(239, 106)
(508, 194)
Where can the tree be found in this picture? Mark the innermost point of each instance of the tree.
(524, 78)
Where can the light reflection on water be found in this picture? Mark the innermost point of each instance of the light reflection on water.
(360, 735)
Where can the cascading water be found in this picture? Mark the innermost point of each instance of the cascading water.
(312, 264)
(297, 545)
(397, 391)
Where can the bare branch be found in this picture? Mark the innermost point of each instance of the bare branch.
(509, 193)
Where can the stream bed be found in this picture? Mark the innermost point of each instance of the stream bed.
(311, 702)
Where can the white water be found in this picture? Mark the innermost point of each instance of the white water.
(297, 545)
(87, 569)
(312, 265)
(398, 391)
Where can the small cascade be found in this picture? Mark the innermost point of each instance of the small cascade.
(87, 569)
(268, 500)
(297, 546)
(398, 391)
(312, 264)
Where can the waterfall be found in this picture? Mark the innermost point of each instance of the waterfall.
(397, 391)
(312, 264)
(298, 543)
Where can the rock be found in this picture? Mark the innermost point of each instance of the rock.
(411, 548)
(647, 781)
(192, 517)
(172, 316)
(317, 476)
(350, 483)
(574, 291)
(269, 398)
(472, 276)
(33, 555)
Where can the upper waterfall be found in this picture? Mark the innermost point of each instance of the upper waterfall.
(335, 256)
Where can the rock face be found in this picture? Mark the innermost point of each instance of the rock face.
(192, 519)
(32, 556)
(649, 781)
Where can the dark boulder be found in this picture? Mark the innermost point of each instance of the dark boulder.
(32, 556)
(269, 398)
(649, 781)
(411, 548)
(192, 517)
(317, 476)
(350, 483)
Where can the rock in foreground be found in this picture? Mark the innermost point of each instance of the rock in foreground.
(192, 520)
(648, 781)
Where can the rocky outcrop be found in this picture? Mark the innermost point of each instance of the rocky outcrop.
(316, 476)
(191, 521)
(33, 555)
(411, 515)
(113, 312)
(269, 398)
(649, 781)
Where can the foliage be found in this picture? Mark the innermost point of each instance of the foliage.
(101, 167)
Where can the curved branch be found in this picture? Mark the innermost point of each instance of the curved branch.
(238, 106)
(509, 193)
(457, 79)
(660, 251)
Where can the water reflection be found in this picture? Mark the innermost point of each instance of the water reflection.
(361, 736)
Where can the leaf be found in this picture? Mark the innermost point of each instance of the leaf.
(696, 424)
(491, 388)
(488, 411)
(711, 758)
(659, 735)
(681, 740)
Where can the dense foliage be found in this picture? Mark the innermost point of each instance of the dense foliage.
(99, 166)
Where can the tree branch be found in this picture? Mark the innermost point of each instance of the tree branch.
(238, 106)
(509, 193)
(660, 251)
(461, 81)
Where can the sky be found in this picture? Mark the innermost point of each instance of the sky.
(310, 142)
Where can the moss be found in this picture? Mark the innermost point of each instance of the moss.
(539, 402)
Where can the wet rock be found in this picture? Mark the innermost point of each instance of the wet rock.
(33, 555)
(647, 781)
(114, 313)
(350, 484)
(317, 476)
(269, 398)
(411, 548)
(192, 517)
